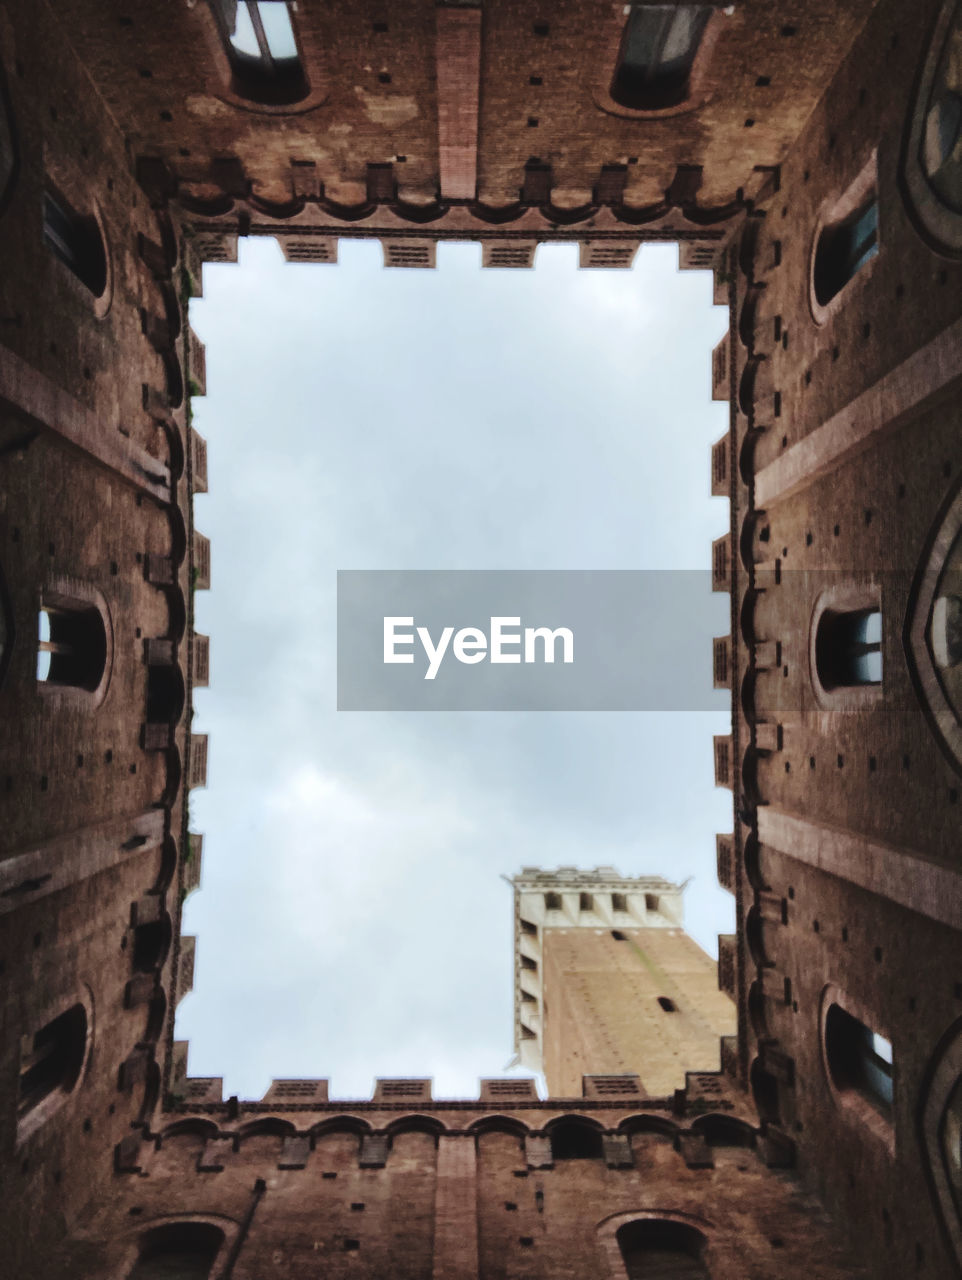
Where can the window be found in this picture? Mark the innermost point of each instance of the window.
(72, 645)
(76, 240)
(586, 902)
(843, 250)
(658, 48)
(946, 631)
(8, 146)
(619, 902)
(848, 648)
(859, 1058)
(575, 1140)
(50, 1064)
(652, 902)
(654, 1249)
(261, 47)
(178, 1251)
(552, 902)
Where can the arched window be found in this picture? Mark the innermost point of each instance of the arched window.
(843, 250)
(76, 240)
(932, 159)
(178, 1251)
(658, 48)
(658, 1249)
(859, 1058)
(261, 46)
(72, 643)
(848, 648)
(575, 1140)
(50, 1064)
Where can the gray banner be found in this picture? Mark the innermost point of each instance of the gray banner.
(528, 641)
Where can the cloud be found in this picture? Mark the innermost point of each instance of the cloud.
(352, 920)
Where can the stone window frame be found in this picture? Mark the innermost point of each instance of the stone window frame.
(939, 1095)
(606, 1234)
(836, 209)
(846, 598)
(916, 640)
(223, 82)
(939, 225)
(853, 1107)
(73, 593)
(612, 25)
(38, 1115)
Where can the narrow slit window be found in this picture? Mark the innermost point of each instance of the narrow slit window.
(261, 46)
(658, 49)
(843, 250)
(848, 648)
(77, 242)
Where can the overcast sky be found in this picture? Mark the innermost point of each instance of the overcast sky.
(352, 921)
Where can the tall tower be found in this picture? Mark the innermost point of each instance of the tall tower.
(607, 982)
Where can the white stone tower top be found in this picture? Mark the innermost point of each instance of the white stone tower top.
(569, 898)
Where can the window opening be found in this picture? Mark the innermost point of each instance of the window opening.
(72, 646)
(859, 1058)
(844, 249)
(261, 45)
(657, 51)
(77, 242)
(848, 648)
(53, 1060)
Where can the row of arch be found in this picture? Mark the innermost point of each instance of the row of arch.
(717, 1128)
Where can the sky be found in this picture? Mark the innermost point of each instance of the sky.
(353, 920)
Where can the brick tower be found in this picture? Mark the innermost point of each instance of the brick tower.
(607, 982)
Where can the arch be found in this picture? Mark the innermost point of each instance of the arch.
(662, 1247)
(356, 1125)
(721, 1130)
(166, 693)
(189, 1127)
(575, 1137)
(499, 1124)
(758, 1011)
(151, 944)
(639, 1124)
(765, 1093)
(930, 173)
(416, 1123)
(682, 1240)
(151, 1097)
(273, 1126)
(187, 1249)
(156, 1015)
